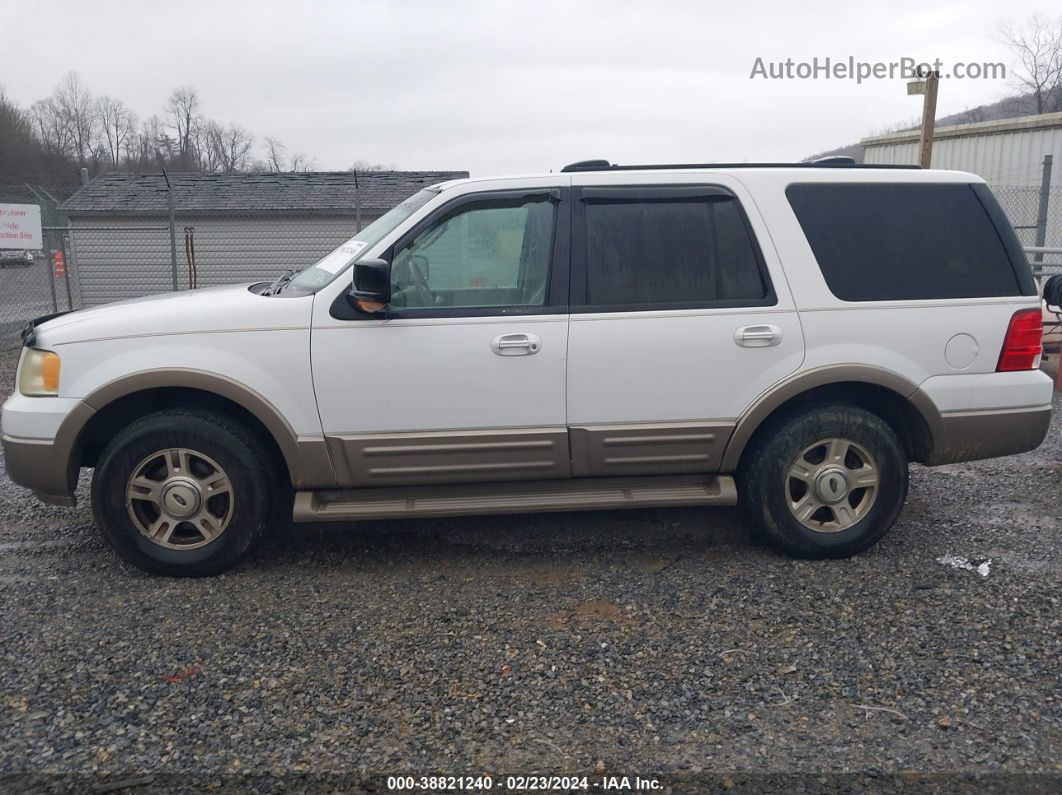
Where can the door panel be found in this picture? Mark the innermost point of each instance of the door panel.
(422, 375)
(442, 392)
(692, 321)
(673, 367)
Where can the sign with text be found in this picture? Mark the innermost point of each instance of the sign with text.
(20, 226)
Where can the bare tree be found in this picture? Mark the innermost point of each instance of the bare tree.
(274, 154)
(50, 128)
(365, 167)
(118, 123)
(186, 122)
(77, 111)
(300, 162)
(1037, 46)
(70, 128)
(153, 139)
(230, 147)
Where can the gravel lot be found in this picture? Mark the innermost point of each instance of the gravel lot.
(657, 642)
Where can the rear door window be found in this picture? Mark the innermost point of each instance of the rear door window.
(910, 241)
(668, 247)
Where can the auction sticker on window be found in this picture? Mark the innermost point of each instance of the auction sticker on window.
(20, 226)
(341, 256)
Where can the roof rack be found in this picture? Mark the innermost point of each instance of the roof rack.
(825, 162)
(837, 160)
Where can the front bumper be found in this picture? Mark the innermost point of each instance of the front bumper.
(38, 439)
(37, 465)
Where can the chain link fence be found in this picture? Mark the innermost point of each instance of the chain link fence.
(119, 259)
(34, 283)
(89, 261)
(1022, 206)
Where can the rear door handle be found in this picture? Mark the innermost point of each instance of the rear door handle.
(758, 336)
(516, 344)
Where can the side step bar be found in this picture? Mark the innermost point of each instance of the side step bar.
(523, 497)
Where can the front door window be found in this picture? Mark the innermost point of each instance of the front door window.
(494, 252)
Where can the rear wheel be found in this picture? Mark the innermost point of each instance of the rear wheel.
(827, 481)
(182, 493)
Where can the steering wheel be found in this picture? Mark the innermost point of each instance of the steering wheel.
(424, 296)
(416, 293)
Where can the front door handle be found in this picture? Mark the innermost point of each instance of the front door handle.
(516, 344)
(758, 336)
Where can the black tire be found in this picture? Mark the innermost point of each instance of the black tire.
(233, 447)
(765, 486)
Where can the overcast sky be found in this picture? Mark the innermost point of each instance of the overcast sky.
(508, 87)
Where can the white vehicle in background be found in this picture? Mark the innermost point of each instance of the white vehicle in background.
(15, 257)
(786, 336)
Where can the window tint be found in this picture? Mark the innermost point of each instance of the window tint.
(880, 242)
(490, 253)
(670, 251)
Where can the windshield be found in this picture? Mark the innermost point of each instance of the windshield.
(332, 264)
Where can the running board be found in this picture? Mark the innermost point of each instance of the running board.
(524, 497)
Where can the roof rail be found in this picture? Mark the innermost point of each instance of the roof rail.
(826, 162)
(837, 160)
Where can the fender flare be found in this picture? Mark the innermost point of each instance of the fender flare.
(307, 459)
(764, 405)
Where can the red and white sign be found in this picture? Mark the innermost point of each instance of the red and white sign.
(20, 226)
(59, 261)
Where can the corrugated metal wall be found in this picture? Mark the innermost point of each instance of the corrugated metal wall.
(118, 258)
(1009, 158)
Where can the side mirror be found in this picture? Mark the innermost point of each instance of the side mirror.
(371, 290)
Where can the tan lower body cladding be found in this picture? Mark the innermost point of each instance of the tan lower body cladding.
(397, 459)
(446, 473)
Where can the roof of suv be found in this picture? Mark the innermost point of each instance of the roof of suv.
(838, 169)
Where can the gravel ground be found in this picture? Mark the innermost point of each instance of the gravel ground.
(656, 643)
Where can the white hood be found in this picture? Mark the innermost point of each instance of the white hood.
(215, 309)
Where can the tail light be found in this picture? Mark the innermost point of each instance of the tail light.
(1024, 344)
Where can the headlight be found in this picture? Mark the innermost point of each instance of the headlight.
(38, 373)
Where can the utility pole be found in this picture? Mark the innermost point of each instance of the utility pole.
(927, 87)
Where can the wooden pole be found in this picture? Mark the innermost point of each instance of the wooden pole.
(929, 114)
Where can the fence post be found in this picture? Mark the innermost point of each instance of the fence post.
(173, 229)
(357, 200)
(1045, 198)
(66, 271)
(50, 265)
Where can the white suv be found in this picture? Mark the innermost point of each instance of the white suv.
(604, 337)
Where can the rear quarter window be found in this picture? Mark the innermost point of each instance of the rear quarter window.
(910, 241)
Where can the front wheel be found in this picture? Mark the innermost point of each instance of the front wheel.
(182, 493)
(828, 481)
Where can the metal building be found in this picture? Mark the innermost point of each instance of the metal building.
(228, 228)
(1007, 153)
